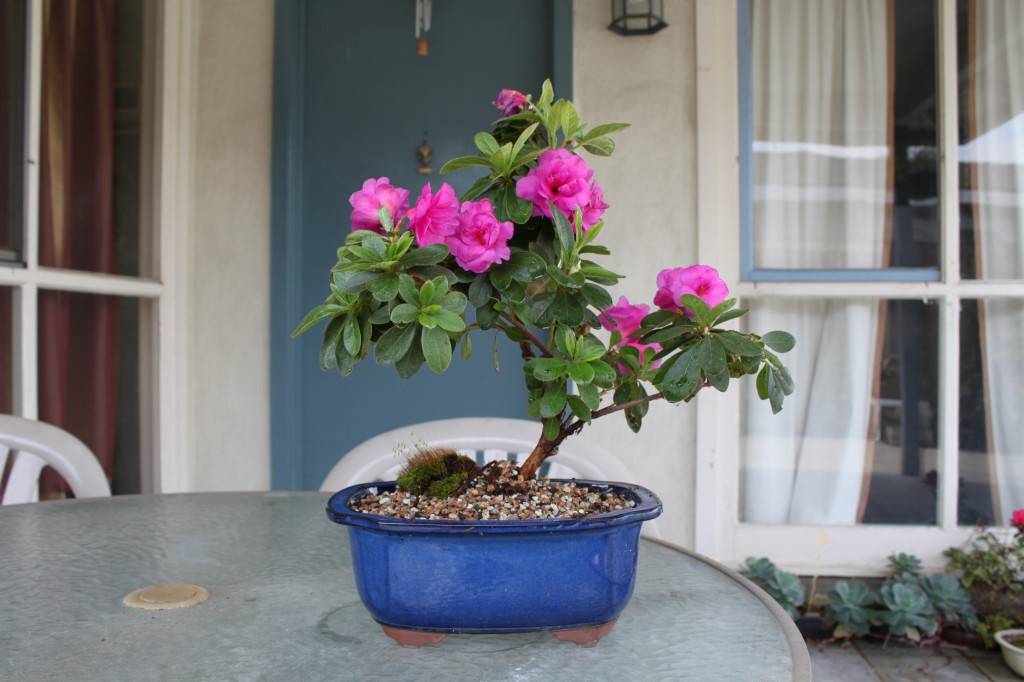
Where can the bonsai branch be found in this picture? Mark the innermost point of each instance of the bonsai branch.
(548, 448)
(515, 322)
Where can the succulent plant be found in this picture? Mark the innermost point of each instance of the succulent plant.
(783, 586)
(851, 607)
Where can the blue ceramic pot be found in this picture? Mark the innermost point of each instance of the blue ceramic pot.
(495, 576)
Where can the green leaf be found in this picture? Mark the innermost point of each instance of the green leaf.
(698, 307)
(781, 342)
(408, 290)
(784, 380)
(404, 313)
(486, 316)
(411, 362)
(393, 344)
(762, 383)
(605, 129)
(565, 341)
(523, 138)
(551, 428)
(450, 322)
(375, 244)
(682, 377)
(563, 229)
(332, 336)
(424, 255)
(553, 402)
(600, 275)
(722, 308)
(581, 372)
(315, 315)
(480, 290)
(596, 296)
(486, 143)
(547, 369)
(467, 347)
(604, 374)
(570, 118)
(427, 293)
(434, 271)
(525, 266)
(517, 210)
(573, 281)
(500, 277)
(437, 349)
(351, 335)
(711, 355)
(739, 344)
(590, 394)
(658, 318)
(454, 302)
(579, 408)
(384, 288)
(730, 315)
(547, 94)
(600, 146)
(465, 162)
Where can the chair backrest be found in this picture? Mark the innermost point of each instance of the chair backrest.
(484, 438)
(34, 445)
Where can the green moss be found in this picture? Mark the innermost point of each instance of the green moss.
(436, 472)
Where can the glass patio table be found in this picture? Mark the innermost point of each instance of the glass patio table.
(283, 604)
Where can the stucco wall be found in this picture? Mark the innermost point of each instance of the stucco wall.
(228, 290)
(651, 223)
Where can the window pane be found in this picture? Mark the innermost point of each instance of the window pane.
(90, 137)
(6, 347)
(89, 378)
(991, 430)
(842, 143)
(856, 442)
(991, 54)
(12, 126)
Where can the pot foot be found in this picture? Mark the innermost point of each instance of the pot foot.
(413, 638)
(584, 636)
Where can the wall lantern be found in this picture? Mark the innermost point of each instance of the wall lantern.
(637, 17)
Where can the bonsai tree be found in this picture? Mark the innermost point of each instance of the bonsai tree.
(521, 249)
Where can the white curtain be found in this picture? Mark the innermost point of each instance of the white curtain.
(996, 150)
(821, 89)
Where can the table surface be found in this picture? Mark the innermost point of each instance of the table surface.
(284, 604)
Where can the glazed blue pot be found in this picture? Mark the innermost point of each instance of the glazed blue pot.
(495, 576)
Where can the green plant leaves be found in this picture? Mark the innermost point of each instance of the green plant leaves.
(437, 349)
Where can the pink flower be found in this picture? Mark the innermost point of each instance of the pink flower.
(368, 201)
(480, 240)
(435, 216)
(1018, 519)
(624, 317)
(594, 209)
(510, 102)
(560, 177)
(700, 280)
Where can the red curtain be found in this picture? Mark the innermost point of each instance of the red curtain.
(78, 333)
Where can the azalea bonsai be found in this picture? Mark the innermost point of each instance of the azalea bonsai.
(520, 247)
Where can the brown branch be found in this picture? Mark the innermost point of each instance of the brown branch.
(526, 331)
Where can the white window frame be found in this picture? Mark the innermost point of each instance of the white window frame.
(165, 213)
(824, 550)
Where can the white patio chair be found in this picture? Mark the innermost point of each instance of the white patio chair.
(483, 438)
(34, 445)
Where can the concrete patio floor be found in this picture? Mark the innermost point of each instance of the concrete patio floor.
(870, 660)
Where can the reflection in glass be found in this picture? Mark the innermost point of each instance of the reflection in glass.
(844, 158)
(12, 127)
(991, 429)
(89, 379)
(6, 354)
(857, 441)
(991, 55)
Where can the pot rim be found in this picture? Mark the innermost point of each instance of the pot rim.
(648, 506)
(1011, 632)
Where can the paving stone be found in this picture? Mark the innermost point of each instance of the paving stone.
(872, 661)
(834, 663)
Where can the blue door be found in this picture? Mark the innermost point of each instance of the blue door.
(354, 99)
